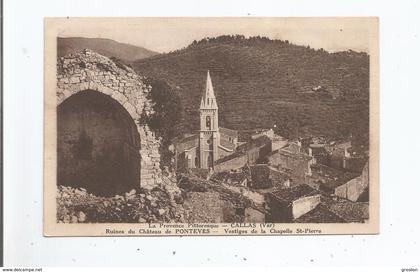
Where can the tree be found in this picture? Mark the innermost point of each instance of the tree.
(167, 115)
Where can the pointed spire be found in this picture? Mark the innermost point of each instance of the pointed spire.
(208, 99)
(209, 86)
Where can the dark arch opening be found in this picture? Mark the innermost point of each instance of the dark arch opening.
(196, 162)
(97, 145)
(210, 161)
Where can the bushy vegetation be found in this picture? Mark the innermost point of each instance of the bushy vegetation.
(261, 83)
(166, 120)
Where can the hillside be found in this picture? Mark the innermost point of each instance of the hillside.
(106, 47)
(261, 82)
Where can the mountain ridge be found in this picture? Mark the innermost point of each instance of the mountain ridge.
(261, 82)
(104, 46)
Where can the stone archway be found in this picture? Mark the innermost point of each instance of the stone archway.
(87, 71)
(97, 144)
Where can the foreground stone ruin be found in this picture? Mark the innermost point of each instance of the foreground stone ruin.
(86, 74)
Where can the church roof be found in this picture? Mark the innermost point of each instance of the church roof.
(208, 100)
(228, 132)
(226, 144)
(187, 143)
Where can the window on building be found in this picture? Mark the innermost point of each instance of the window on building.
(208, 122)
(196, 162)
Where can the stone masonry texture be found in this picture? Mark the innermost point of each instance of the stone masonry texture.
(89, 71)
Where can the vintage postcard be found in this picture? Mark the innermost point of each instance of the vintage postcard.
(211, 126)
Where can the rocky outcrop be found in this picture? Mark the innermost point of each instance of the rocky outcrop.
(88, 70)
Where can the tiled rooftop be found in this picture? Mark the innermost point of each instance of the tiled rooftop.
(321, 214)
(331, 177)
(291, 194)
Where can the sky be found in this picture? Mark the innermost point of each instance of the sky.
(171, 33)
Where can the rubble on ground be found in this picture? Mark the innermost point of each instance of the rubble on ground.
(161, 204)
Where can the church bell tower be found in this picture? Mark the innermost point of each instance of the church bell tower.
(209, 127)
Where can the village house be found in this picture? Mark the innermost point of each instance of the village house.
(278, 142)
(264, 176)
(332, 210)
(286, 205)
(256, 149)
(355, 163)
(240, 177)
(339, 152)
(319, 154)
(297, 163)
(349, 185)
(341, 155)
(294, 147)
(263, 132)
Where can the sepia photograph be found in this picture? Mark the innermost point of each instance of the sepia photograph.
(211, 126)
(230, 134)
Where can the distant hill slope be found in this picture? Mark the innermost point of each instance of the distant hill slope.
(106, 47)
(261, 83)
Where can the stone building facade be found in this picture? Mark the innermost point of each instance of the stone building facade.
(264, 176)
(212, 142)
(351, 188)
(296, 163)
(101, 130)
(209, 140)
(339, 153)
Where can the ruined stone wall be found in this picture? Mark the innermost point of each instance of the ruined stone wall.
(89, 71)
